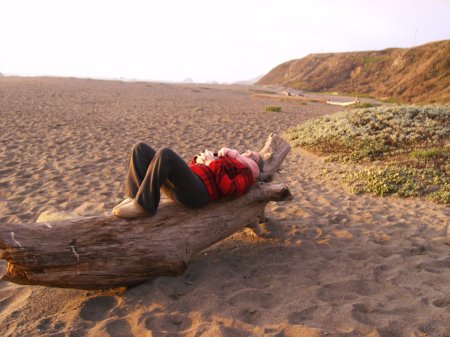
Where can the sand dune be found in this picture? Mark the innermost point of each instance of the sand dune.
(329, 263)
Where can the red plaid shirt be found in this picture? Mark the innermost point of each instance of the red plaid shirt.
(224, 176)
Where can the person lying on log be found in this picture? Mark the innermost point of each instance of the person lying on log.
(206, 178)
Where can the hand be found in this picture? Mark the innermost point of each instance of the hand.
(222, 152)
(226, 152)
(209, 157)
(205, 158)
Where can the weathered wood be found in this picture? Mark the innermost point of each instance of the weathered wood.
(273, 152)
(105, 251)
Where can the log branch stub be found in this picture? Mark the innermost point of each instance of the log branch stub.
(273, 153)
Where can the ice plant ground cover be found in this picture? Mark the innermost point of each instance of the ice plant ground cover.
(391, 149)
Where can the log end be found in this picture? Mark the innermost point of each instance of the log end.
(14, 274)
(286, 194)
(272, 192)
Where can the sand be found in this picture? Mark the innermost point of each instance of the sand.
(329, 263)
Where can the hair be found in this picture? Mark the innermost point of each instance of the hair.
(260, 164)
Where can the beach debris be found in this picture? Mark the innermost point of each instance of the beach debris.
(343, 103)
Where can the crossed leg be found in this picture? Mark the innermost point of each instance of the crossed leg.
(149, 171)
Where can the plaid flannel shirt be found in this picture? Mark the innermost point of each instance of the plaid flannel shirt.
(224, 176)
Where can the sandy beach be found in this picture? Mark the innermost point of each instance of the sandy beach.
(330, 263)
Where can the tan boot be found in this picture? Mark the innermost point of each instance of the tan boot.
(124, 202)
(131, 210)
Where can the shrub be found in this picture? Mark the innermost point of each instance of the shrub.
(273, 108)
(362, 105)
(405, 149)
(429, 153)
(401, 181)
(396, 127)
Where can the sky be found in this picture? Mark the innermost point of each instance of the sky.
(205, 40)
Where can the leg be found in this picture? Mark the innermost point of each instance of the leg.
(170, 172)
(140, 159)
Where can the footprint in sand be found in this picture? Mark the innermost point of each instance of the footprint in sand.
(393, 329)
(254, 298)
(47, 327)
(360, 313)
(12, 298)
(97, 308)
(227, 331)
(298, 317)
(347, 290)
(161, 324)
(442, 302)
(119, 328)
(435, 267)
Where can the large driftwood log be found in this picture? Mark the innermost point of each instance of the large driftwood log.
(104, 251)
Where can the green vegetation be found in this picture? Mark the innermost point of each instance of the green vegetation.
(392, 100)
(360, 95)
(368, 60)
(273, 108)
(362, 105)
(400, 150)
(267, 92)
(402, 181)
(429, 154)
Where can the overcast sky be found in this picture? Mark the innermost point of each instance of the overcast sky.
(206, 40)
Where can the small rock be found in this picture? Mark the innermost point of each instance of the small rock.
(417, 250)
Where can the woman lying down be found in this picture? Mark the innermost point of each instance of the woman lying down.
(206, 178)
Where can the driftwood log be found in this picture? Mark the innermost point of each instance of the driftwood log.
(102, 252)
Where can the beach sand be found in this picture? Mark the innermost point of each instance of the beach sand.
(330, 263)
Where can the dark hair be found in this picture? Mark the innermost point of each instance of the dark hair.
(260, 164)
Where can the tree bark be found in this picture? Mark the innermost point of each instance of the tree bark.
(105, 251)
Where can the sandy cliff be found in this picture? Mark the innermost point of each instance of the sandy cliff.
(420, 74)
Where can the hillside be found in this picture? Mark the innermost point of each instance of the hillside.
(415, 75)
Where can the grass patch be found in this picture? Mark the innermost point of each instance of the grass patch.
(391, 100)
(430, 154)
(260, 91)
(357, 94)
(362, 105)
(273, 108)
(399, 150)
(401, 181)
(368, 60)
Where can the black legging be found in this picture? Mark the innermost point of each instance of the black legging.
(151, 170)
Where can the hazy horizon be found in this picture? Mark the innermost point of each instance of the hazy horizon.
(204, 41)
